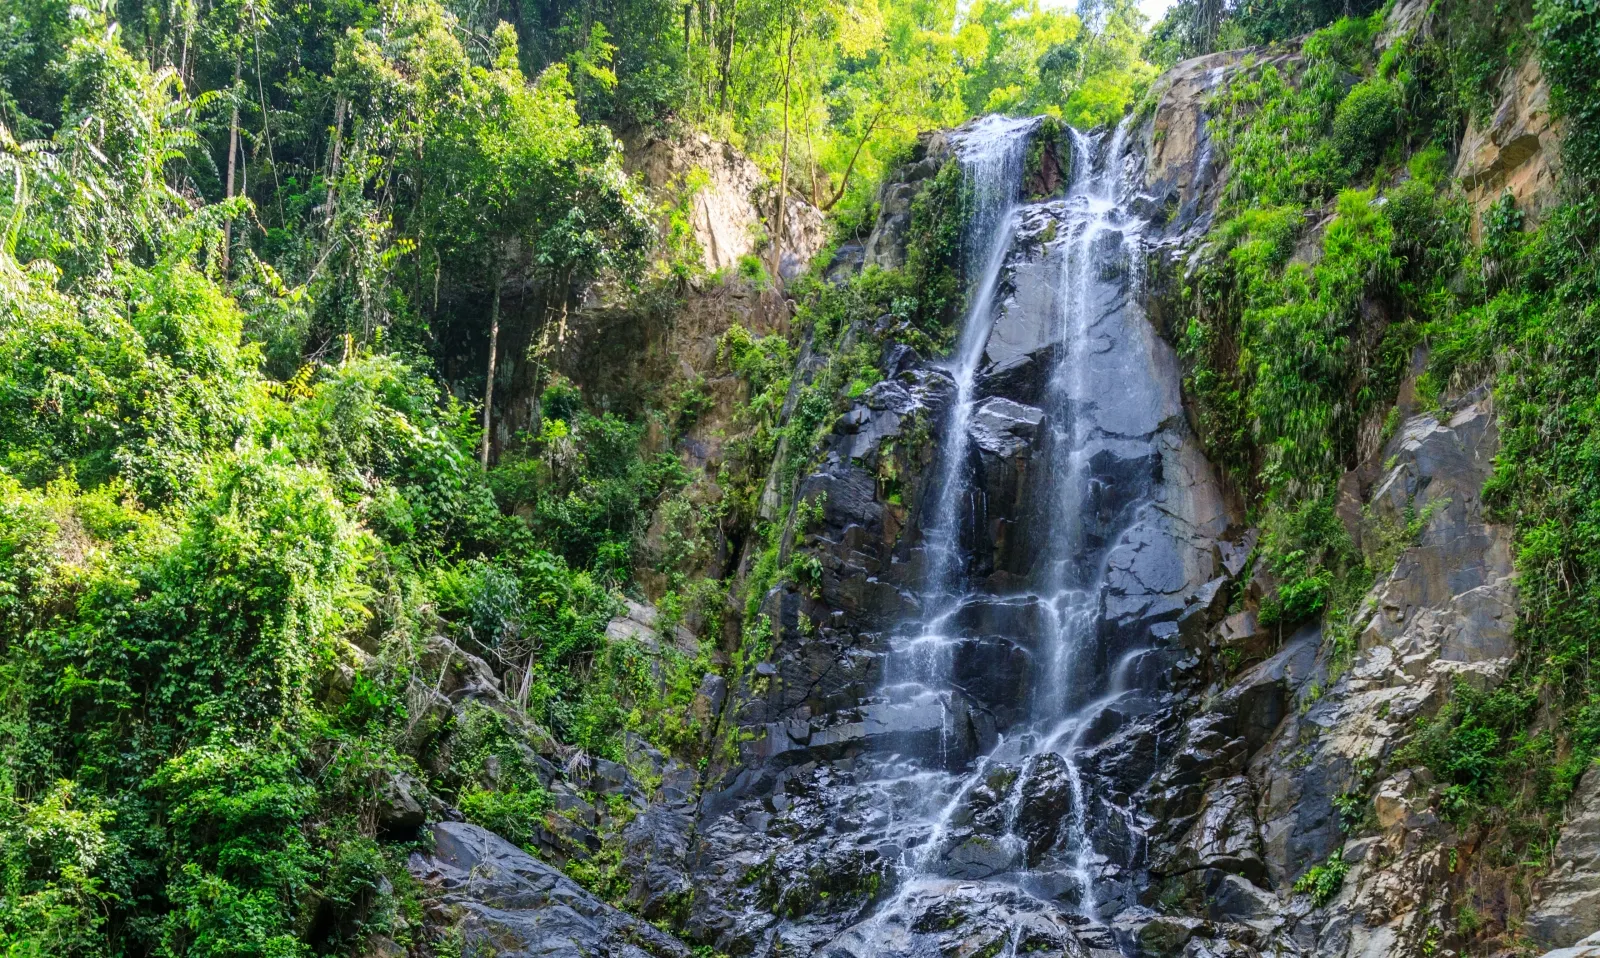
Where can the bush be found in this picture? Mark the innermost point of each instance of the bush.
(1365, 122)
(1323, 881)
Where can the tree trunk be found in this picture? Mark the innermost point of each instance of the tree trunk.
(783, 162)
(339, 109)
(494, 353)
(561, 329)
(811, 167)
(233, 149)
(266, 124)
(727, 56)
(844, 181)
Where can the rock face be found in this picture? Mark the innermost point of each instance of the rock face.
(733, 201)
(506, 902)
(1587, 948)
(886, 246)
(1569, 904)
(1516, 148)
(1259, 786)
(1186, 170)
(803, 842)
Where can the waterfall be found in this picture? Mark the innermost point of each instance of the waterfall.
(992, 157)
(999, 801)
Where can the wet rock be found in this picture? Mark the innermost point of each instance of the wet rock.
(1258, 700)
(708, 701)
(655, 850)
(979, 856)
(1223, 837)
(1166, 935)
(985, 804)
(500, 897)
(941, 917)
(1233, 898)
(816, 724)
(1005, 429)
(1046, 805)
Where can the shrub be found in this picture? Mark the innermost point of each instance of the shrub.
(1365, 122)
(1323, 881)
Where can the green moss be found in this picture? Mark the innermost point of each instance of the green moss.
(933, 268)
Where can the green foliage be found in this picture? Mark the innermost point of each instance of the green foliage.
(1481, 745)
(588, 488)
(1291, 346)
(1278, 127)
(1315, 561)
(190, 553)
(753, 271)
(1196, 27)
(1365, 121)
(1322, 882)
(55, 857)
(1304, 369)
(1568, 34)
(1535, 337)
(497, 786)
(934, 253)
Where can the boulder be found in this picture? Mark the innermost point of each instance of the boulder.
(1046, 805)
(504, 900)
(1004, 428)
(1223, 837)
(655, 850)
(639, 624)
(400, 804)
(1587, 948)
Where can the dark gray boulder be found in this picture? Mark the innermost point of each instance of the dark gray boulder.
(506, 902)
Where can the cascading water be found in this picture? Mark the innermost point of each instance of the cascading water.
(1002, 805)
(992, 156)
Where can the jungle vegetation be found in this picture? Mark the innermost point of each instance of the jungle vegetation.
(245, 474)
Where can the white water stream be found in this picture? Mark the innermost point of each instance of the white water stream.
(933, 792)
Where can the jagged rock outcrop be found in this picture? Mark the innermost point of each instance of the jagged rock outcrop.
(732, 203)
(1260, 787)
(1515, 149)
(1185, 170)
(886, 245)
(502, 900)
(1569, 896)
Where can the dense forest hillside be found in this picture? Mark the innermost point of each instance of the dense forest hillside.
(485, 478)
